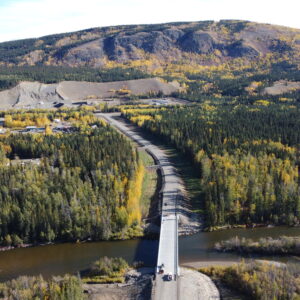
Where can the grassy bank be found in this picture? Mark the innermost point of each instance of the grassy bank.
(106, 270)
(149, 182)
(281, 246)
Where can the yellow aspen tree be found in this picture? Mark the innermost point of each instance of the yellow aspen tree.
(134, 196)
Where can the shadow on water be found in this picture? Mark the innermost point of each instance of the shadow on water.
(146, 252)
(53, 260)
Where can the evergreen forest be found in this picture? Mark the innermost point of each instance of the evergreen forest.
(247, 157)
(81, 185)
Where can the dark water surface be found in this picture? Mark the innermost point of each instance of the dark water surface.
(70, 258)
(199, 247)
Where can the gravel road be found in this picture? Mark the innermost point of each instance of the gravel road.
(191, 284)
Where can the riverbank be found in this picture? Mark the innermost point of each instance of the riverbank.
(7, 248)
(21, 246)
(257, 279)
(283, 245)
(188, 227)
(245, 226)
(150, 235)
(212, 263)
(138, 285)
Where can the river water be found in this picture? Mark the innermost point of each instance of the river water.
(70, 258)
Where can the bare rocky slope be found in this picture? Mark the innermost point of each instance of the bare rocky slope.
(225, 51)
(204, 42)
(282, 87)
(35, 94)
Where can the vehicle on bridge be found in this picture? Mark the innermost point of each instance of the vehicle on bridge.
(168, 277)
(161, 269)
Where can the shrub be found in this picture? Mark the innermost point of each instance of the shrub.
(106, 266)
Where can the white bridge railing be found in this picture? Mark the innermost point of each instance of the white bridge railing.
(174, 247)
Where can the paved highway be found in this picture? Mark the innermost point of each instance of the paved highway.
(168, 242)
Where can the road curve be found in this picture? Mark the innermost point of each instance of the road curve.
(168, 242)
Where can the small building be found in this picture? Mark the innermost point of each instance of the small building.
(34, 129)
(80, 103)
(63, 128)
(58, 105)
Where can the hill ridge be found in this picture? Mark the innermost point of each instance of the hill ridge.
(204, 42)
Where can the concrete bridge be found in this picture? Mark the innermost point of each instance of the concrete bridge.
(168, 241)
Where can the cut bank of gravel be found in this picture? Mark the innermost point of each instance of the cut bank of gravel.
(39, 95)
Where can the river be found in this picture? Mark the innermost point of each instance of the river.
(70, 258)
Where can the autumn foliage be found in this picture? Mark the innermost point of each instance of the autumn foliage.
(247, 157)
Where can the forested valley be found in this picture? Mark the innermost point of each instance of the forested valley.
(247, 156)
(66, 176)
(85, 185)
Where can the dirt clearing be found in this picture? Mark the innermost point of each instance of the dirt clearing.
(195, 285)
(39, 95)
